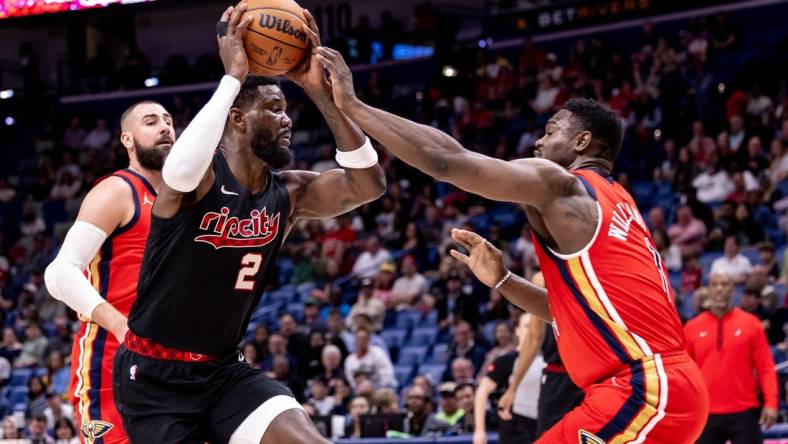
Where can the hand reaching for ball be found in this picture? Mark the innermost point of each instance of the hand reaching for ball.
(310, 74)
(341, 78)
(231, 45)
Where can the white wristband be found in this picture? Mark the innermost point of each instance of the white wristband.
(503, 280)
(363, 157)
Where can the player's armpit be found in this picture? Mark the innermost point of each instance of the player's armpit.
(170, 202)
(333, 192)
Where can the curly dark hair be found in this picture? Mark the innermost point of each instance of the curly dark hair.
(603, 124)
(250, 90)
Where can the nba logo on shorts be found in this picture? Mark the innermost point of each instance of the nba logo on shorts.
(92, 430)
(589, 438)
(133, 372)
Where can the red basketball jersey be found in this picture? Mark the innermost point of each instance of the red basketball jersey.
(611, 302)
(113, 273)
(115, 269)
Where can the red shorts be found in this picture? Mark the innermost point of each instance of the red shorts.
(662, 399)
(91, 386)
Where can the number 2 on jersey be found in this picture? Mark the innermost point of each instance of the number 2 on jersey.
(250, 265)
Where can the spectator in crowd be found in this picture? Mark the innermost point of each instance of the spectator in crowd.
(296, 341)
(736, 132)
(733, 263)
(370, 358)
(368, 305)
(730, 345)
(57, 410)
(464, 346)
(461, 370)
(249, 352)
(767, 258)
(7, 192)
(36, 391)
(66, 187)
(408, 287)
(464, 394)
(34, 347)
(713, 184)
(520, 427)
(10, 348)
(688, 233)
(420, 421)
(58, 375)
(505, 342)
(65, 432)
(10, 428)
(331, 360)
(74, 135)
(368, 262)
(282, 372)
(385, 401)
(37, 430)
(318, 396)
(358, 406)
(454, 301)
(671, 254)
(313, 322)
(450, 411)
(277, 347)
(99, 136)
(751, 302)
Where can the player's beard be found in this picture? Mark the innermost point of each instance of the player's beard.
(150, 158)
(267, 147)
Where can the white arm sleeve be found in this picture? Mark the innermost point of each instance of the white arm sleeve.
(192, 153)
(64, 276)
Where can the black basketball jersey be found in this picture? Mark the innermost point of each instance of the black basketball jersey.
(550, 347)
(205, 269)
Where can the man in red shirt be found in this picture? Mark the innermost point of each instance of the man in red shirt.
(733, 354)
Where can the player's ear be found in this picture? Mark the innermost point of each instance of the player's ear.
(582, 141)
(126, 139)
(236, 119)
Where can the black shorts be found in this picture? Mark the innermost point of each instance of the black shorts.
(557, 396)
(182, 402)
(738, 428)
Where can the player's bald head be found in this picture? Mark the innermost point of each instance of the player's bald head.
(136, 112)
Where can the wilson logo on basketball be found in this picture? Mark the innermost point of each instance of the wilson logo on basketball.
(231, 232)
(283, 26)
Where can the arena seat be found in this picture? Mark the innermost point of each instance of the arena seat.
(18, 395)
(433, 371)
(404, 374)
(412, 355)
(423, 336)
(20, 377)
(395, 337)
(439, 355)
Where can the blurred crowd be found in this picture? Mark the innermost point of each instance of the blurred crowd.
(705, 158)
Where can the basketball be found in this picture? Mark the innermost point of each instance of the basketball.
(276, 40)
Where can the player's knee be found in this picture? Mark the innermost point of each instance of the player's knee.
(293, 427)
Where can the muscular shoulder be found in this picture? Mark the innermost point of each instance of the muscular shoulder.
(108, 205)
(562, 182)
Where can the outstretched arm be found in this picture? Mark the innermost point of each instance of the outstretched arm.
(339, 190)
(486, 262)
(533, 182)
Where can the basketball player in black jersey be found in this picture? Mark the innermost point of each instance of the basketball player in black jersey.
(217, 226)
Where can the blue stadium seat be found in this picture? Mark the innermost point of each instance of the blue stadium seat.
(406, 319)
(403, 374)
(20, 377)
(18, 395)
(297, 310)
(394, 338)
(489, 330)
(423, 336)
(433, 371)
(440, 354)
(40, 372)
(412, 355)
(752, 255)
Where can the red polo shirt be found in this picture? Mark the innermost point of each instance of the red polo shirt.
(735, 360)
